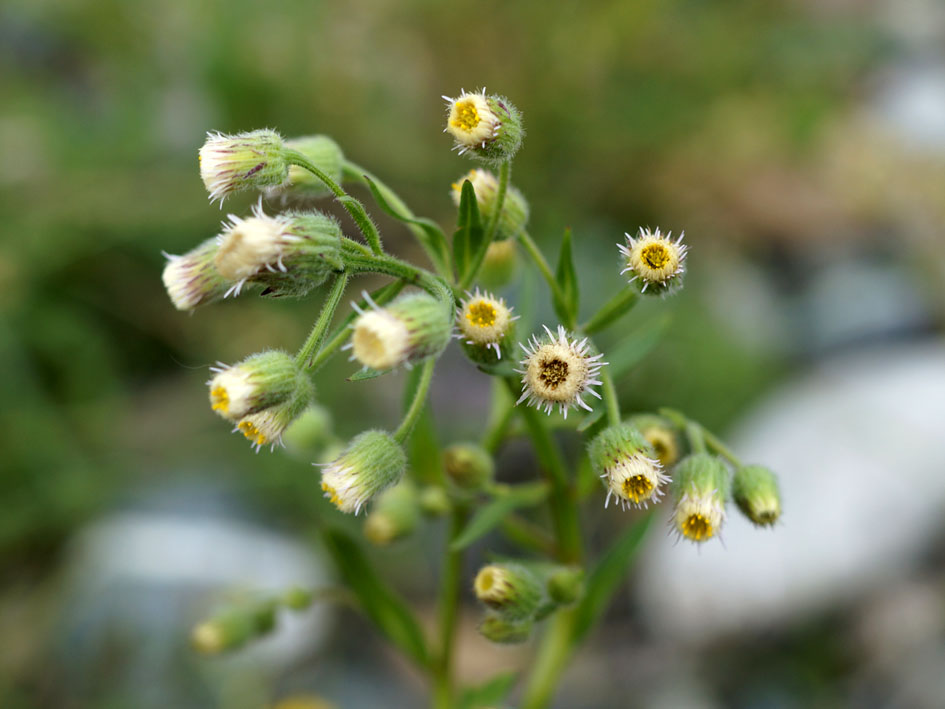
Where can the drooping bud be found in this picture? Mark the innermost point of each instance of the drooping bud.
(192, 279)
(701, 485)
(234, 627)
(288, 254)
(514, 214)
(261, 380)
(302, 187)
(468, 465)
(371, 463)
(485, 327)
(395, 514)
(486, 126)
(230, 163)
(656, 262)
(499, 265)
(503, 630)
(622, 458)
(755, 490)
(511, 588)
(661, 435)
(408, 330)
(265, 428)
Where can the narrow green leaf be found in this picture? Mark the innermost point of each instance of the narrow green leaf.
(499, 369)
(612, 310)
(567, 309)
(489, 693)
(428, 232)
(367, 373)
(636, 345)
(388, 612)
(606, 577)
(469, 231)
(489, 517)
(590, 419)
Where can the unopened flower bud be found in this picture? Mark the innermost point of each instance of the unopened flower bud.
(408, 330)
(468, 465)
(395, 514)
(265, 428)
(434, 502)
(503, 630)
(302, 187)
(755, 490)
(514, 215)
(486, 126)
(288, 254)
(371, 463)
(258, 382)
(701, 486)
(485, 326)
(511, 588)
(233, 628)
(661, 435)
(499, 264)
(623, 459)
(192, 279)
(230, 163)
(565, 584)
(656, 262)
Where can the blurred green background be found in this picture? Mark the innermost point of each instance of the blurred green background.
(747, 124)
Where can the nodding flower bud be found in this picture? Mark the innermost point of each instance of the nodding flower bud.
(408, 330)
(371, 463)
(395, 514)
(499, 264)
(701, 486)
(514, 214)
(565, 584)
(258, 382)
(497, 628)
(655, 260)
(558, 370)
(266, 427)
(302, 187)
(511, 588)
(661, 435)
(485, 327)
(230, 163)
(623, 459)
(193, 279)
(755, 490)
(234, 627)
(434, 502)
(288, 254)
(468, 465)
(486, 126)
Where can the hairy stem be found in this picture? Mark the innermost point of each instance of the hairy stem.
(539, 258)
(553, 654)
(448, 611)
(609, 393)
(317, 335)
(416, 406)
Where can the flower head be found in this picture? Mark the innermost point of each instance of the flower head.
(558, 370)
(193, 279)
(229, 163)
(755, 490)
(484, 322)
(511, 588)
(265, 427)
(372, 462)
(655, 260)
(498, 628)
(621, 456)
(258, 382)
(395, 514)
(499, 264)
(514, 215)
(302, 187)
(701, 486)
(487, 126)
(468, 465)
(410, 329)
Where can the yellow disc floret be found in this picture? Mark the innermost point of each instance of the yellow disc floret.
(654, 259)
(472, 122)
(484, 320)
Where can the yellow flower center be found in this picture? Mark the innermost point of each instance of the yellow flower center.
(637, 488)
(219, 399)
(250, 430)
(485, 580)
(332, 494)
(467, 117)
(697, 527)
(553, 372)
(481, 314)
(655, 255)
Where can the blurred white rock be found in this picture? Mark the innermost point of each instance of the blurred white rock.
(859, 444)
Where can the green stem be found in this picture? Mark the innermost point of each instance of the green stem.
(716, 444)
(416, 406)
(390, 266)
(317, 335)
(353, 206)
(539, 258)
(696, 439)
(491, 227)
(552, 657)
(609, 394)
(503, 409)
(614, 308)
(448, 612)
